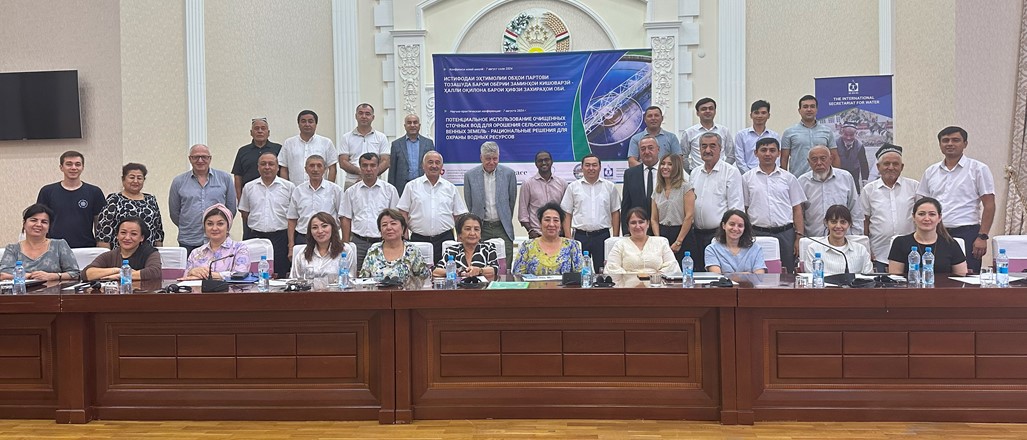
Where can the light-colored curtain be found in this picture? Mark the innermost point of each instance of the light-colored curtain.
(1016, 172)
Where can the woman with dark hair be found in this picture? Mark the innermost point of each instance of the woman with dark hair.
(130, 202)
(948, 256)
(217, 221)
(639, 252)
(393, 256)
(549, 254)
(734, 250)
(43, 258)
(673, 207)
(323, 249)
(472, 256)
(132, 246)
(837, 220)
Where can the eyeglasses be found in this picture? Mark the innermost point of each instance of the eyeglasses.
(199, 158)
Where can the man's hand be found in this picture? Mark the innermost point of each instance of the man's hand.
(980, 248)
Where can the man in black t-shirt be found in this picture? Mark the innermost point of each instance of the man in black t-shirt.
(75, 204)
(245, 168)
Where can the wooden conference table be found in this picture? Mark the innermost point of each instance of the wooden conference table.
(760, 351)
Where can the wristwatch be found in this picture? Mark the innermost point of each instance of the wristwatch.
(982, 236)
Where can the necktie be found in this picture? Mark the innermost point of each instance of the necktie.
(649, 183)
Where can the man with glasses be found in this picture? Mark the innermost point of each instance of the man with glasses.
(295, 150)
(194, 191)
(246, 169)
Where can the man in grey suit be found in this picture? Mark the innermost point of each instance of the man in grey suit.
(491, 191)
(407, 154)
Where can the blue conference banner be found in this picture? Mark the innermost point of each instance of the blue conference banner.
(570, 104)
(859, 110)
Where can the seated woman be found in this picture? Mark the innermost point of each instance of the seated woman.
(472, 256)
(320, 258)
(132, 245)
(393, 256)
(549, 254)
(734, 250)
(948, 256)
(43, 258)
(231, 256)
(838, 219)
(640, 252)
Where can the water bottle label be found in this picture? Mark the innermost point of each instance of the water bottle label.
(914, 267)
(1003, 270)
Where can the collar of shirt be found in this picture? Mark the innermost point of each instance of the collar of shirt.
(752, 130)
(598, 181)
(311, 186)
(777, 169)
(278, 180)
(227, 244)
(357, 133)
(719, 166)
(961, 164)
(415, 140)
(360, 183)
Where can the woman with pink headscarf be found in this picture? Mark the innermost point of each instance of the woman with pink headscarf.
(233, 256)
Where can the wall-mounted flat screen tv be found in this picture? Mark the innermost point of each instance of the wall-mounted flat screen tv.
(39, 105)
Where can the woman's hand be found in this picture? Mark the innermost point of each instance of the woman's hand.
(40, 275)
(198, 273)
(472, 271)
(675, 246)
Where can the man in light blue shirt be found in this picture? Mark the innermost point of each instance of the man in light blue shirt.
(745, 139)
(194, 191)
(798, 139)
(653, 127)
(407, 152)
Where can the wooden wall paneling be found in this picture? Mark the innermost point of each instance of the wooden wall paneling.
(28, 367)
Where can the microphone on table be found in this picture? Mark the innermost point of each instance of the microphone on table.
(210, 284)
(842, 279)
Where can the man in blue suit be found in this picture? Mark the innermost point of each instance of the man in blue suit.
(407, 153)
(490, 191)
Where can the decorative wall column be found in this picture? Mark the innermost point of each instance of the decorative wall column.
(196, 72)
(886, 36)
(410, 56)
(663, 39)
(346, 64)
(731, 64)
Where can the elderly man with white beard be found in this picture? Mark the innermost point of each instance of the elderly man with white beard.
(825, 186)
(887, 203)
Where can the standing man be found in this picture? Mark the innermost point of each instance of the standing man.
(593, 207)
(962, 185)
(363, 139)
(75, 204)
(853, 155)
(745, 140)
(706, 110)
(887, 205)
(431, 205)
(773, 199)
(718, 188)
(490, 191)
(798, 139)
(825, 186)
(361, 204)
(314, 195)
(640, 180)
(540, 189)
(297, 149)
(246, 164)
(408, 152)
(264, 207)
(653, 127)
(193, 191)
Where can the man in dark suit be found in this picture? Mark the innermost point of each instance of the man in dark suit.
(490, 191)
(407, 154)
(640, 180)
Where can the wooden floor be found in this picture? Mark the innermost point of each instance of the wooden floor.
(505, 429)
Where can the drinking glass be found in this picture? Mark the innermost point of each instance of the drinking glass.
(987, 277)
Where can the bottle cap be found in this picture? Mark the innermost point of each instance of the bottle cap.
(927, 249)
(912, 248)
(1001, 251)
(263, 257)
(18, 263)
(343, 254)
(124, 261)
(816, 255)
(449, 258)
(688, 253)
(585, 253)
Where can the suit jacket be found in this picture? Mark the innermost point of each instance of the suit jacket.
(634, 193)
(506, 194)
(398, 168)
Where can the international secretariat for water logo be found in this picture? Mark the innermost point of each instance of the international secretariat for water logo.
(853, 87)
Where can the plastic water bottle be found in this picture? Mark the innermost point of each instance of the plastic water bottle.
(450, 272)
(928, 267)
(913, 268)
(343, 271)
(586, 271)
(687, 271)
(263, 274)
(126, 278)
(818, 271)
(1002, 269)
(19, 278)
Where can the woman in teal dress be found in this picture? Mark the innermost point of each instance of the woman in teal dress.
(549, 254)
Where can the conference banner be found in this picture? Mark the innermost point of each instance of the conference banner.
(859, 110)
(570, 104)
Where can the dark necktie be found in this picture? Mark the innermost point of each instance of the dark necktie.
(649, 184)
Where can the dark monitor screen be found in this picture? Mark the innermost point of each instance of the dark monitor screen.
(39, 105)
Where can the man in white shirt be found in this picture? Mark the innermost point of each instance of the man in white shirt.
(718, 188)
(669, 144)
(745, 139)
(297, 149)
(311, 197)
(490, 191)
(887, 204)
(431, 205)
(593, 207)
(264, 206)
(963, 186)
(361, 204)
(706, 109)
(824, 186)
(363, 139)
(773, 200)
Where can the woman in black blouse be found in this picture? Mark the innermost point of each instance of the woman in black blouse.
(948, 255)
(473, 257)
(130, 202)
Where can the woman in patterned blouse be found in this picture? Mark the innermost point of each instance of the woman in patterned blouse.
(473, 257)
(130, 202)
(549, 254)
(393, 256)
(43, 258)
(217, 221)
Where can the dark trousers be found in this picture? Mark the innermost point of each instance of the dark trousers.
(490, 230)
(969, 233)
(436, 242)
(299, 238)
(280, 243)
(247, 233)
(670, 232)
(701, 239)
(189, 248)
(786, 243)
(594, 242)
(880, 267)
(363, 244)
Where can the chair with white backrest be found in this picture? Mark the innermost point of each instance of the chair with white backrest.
(804, 243)
(351, 253)
(172, 261)
(771, 253)
(259, 247)
(608, 246)
(84, 256)
(1016, 250)
(500, 250)
(427, 252)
